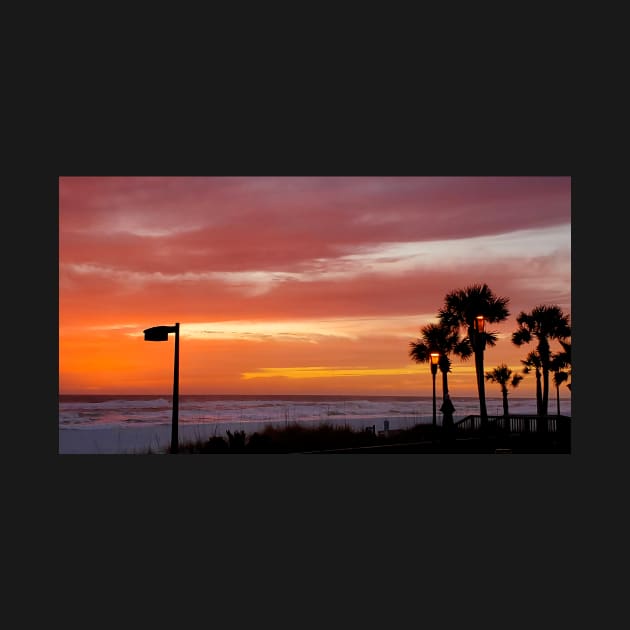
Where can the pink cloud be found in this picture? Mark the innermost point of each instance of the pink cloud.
(275, 223)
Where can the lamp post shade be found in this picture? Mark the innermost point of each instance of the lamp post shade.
(158, 333)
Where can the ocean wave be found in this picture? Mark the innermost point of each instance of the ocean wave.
(145, 411)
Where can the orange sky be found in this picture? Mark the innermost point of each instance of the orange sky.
(296, 285)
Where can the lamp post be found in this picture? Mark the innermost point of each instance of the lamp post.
(435, 357)
(479, 325)
(160, 333)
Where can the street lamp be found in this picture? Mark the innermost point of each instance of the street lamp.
(435, 357)
(480, 326)
(160, 333)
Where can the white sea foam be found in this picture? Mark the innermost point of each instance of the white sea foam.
(110, 424)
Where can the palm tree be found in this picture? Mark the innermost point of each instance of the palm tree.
(532, 361)
(461, 307)
(563, 358)
(446, 341)
(559, 377)
(503, 375)
(544, 323)
(561, 369)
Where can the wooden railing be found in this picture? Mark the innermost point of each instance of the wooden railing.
(515, 424)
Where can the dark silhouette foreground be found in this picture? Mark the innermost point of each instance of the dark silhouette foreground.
(517, 434)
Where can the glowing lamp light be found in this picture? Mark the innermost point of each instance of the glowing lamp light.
(435, 357)
(480, 323)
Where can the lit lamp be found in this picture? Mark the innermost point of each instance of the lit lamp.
(480, 326)
(160, 333)
(435, 357)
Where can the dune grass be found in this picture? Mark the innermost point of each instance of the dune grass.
(326, 437)
(298, 438)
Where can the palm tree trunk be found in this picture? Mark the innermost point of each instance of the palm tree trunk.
(444, 384)
(506, 411)
(545, 357)
(542, 410)
(545, 392)
(481, 389)
(558, 397)
(538, 394)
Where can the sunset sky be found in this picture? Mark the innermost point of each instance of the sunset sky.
(296, 285)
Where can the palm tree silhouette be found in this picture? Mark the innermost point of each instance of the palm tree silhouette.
(563, 359)
(442, 339)
(544, 323)
(559, 377)
(532, 362)
(559, 364)
(461, 307)
(503, 375)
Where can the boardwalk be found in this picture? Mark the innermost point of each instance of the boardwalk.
(516, 434)
(514, 425)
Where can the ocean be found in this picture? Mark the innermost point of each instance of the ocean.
(133, 423)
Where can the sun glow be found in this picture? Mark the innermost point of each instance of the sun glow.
(326, 372)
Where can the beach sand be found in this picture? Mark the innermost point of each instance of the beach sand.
(129, 440)
(107, 440)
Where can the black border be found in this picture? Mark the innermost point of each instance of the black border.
(428, 509)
